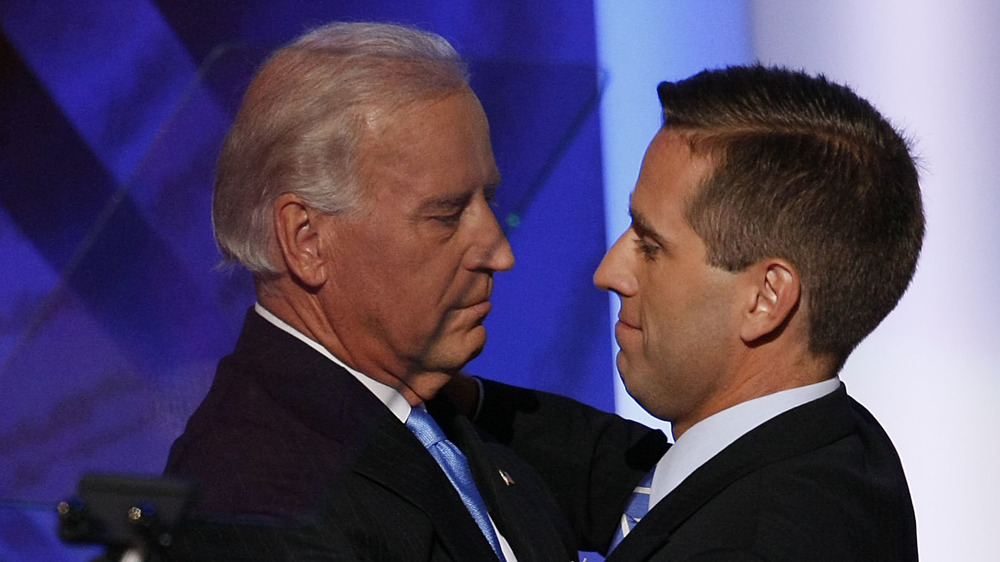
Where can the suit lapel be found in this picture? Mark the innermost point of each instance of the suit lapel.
(489, 477)
(332, 402)
(397, 461)
(791, 434)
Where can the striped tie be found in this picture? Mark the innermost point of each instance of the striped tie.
(456, 467)
(635, 509)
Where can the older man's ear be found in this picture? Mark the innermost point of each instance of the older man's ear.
(297, 227)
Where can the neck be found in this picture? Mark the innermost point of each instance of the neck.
(303, 311)
(762, 371)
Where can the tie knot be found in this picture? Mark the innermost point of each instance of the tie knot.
(424, 427)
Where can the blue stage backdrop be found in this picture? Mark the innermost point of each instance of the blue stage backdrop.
(112, 310)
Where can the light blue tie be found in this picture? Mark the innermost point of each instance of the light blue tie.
(635, 509)
(456, 467)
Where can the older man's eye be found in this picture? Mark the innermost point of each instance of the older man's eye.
(449, 220)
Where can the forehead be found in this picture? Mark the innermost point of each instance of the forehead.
(441, 143)
(670, 176)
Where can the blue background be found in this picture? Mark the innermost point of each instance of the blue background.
(112, 312)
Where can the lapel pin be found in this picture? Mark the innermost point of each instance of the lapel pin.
(506, 477)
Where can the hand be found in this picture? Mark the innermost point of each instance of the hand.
(463, 390)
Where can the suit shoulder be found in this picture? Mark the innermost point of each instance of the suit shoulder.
(845, 500)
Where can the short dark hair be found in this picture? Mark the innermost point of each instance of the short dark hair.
(808, 171)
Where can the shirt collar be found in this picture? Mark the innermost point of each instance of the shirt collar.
(710, 436)
(389, 396)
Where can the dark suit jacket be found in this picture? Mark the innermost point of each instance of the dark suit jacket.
(296, 460)
(819, 482)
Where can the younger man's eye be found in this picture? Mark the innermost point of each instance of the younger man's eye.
(643, 246)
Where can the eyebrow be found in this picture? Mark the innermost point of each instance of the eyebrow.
(642, 227)
(458, 200)
(445, 203)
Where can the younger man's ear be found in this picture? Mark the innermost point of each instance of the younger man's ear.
(296, 227)
(775, 292)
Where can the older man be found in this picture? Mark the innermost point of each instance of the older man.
(776, 221)
(355, 185)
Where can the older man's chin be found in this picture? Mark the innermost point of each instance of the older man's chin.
(473, 342)
(455, 348)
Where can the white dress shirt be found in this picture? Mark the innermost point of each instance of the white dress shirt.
(710, 436)
(385, 393)
(389, 396)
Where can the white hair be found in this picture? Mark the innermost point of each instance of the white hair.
(302, 122)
